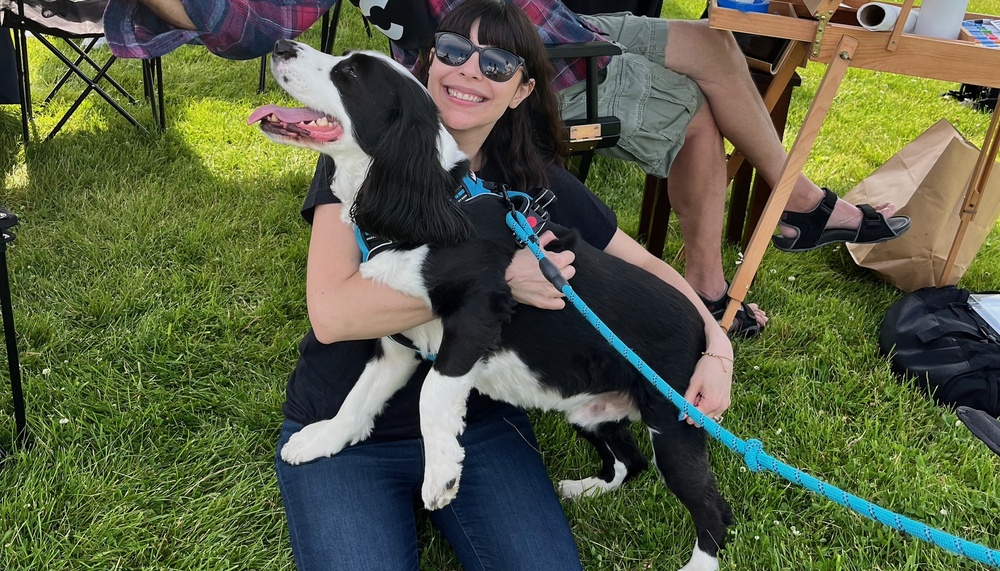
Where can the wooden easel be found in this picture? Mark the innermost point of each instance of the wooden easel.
(838, 40)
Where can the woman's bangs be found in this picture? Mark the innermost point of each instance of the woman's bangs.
(500, 33)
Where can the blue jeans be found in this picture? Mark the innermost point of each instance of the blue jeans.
(357, 509)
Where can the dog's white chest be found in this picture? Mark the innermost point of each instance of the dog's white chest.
(400, 270)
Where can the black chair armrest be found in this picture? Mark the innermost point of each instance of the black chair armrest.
(582, 49)
(591, 132)
(589, 51)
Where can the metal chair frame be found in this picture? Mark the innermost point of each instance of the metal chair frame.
(7, 221)
(80, 44)
(327, 35)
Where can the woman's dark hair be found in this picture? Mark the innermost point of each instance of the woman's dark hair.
(529, 137)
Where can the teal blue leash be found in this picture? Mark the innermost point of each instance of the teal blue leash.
(752, 450)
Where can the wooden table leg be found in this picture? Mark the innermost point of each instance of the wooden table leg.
(980, 176)
(790, 173)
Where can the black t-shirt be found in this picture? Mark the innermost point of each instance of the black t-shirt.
(325, 373)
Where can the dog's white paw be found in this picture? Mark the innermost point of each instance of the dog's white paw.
(701, 561)
(317, 440)
(585, 488)
(589, 487)
(441, 484)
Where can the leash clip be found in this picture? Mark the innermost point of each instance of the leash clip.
(531, 212)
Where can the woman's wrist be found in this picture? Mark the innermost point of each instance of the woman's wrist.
(717, 343)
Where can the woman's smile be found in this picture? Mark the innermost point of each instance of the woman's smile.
(464, 95)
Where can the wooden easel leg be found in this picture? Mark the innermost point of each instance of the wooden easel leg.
(797, 157)
(977, 184)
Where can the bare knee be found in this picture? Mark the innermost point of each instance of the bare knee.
(703, 132)
(695, 49)
(719, 43)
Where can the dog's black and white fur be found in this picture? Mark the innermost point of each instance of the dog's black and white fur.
(397, 173)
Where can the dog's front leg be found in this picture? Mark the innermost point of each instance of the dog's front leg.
(385, 374)
(442, 420)
(467, 335)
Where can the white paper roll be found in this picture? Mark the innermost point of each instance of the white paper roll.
(879, 17)
(941, 18)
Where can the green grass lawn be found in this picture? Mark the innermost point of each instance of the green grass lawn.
(158, 285)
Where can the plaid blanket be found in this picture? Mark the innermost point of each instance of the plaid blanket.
(233, 29)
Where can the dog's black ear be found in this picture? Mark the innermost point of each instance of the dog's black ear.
(408, 195)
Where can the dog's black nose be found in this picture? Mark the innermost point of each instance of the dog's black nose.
(285, 49)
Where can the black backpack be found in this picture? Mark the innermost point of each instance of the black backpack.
(933, 335)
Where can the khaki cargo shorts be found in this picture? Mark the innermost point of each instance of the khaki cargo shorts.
(655, 105)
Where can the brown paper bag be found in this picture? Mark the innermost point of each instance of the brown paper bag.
(928, 179)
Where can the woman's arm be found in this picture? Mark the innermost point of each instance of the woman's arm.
(342, 304)
(713, 376)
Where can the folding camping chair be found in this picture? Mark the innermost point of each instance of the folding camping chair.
(79, 24)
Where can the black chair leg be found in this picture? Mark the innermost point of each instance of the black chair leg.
(10, 336)
(24, 83)
(83, 55)
(152, 86)
(92, 86)
(263, 73)
(157, 66)
(330, 28)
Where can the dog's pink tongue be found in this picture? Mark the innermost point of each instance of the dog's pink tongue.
(286, 114)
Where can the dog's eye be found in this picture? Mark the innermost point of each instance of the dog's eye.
(349, 70)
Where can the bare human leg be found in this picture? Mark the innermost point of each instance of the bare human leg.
(172, 11)
(712, 59)
(698, 196)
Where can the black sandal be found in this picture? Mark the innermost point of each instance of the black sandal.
(744, 324)
(812, 231)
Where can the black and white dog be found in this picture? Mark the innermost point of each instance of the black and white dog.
(397, 173)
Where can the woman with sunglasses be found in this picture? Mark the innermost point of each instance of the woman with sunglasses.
(356, 510)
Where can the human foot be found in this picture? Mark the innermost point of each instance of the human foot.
(834, 220)
(749, 321)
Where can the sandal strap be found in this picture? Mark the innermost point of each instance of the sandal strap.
(810, 225)
(873, 225)
(744, 324)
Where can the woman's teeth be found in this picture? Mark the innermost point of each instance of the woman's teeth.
(464, 96)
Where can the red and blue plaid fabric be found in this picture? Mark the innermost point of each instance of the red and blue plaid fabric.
(233, 29)
(556, 24)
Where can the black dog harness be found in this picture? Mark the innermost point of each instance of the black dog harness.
(534, 210)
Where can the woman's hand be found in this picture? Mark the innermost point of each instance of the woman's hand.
(529, 286)
(711, 385)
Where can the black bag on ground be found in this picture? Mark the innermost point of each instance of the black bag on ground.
(934, 335)
(976, 96)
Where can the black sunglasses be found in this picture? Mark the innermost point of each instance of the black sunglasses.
(496, 64)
